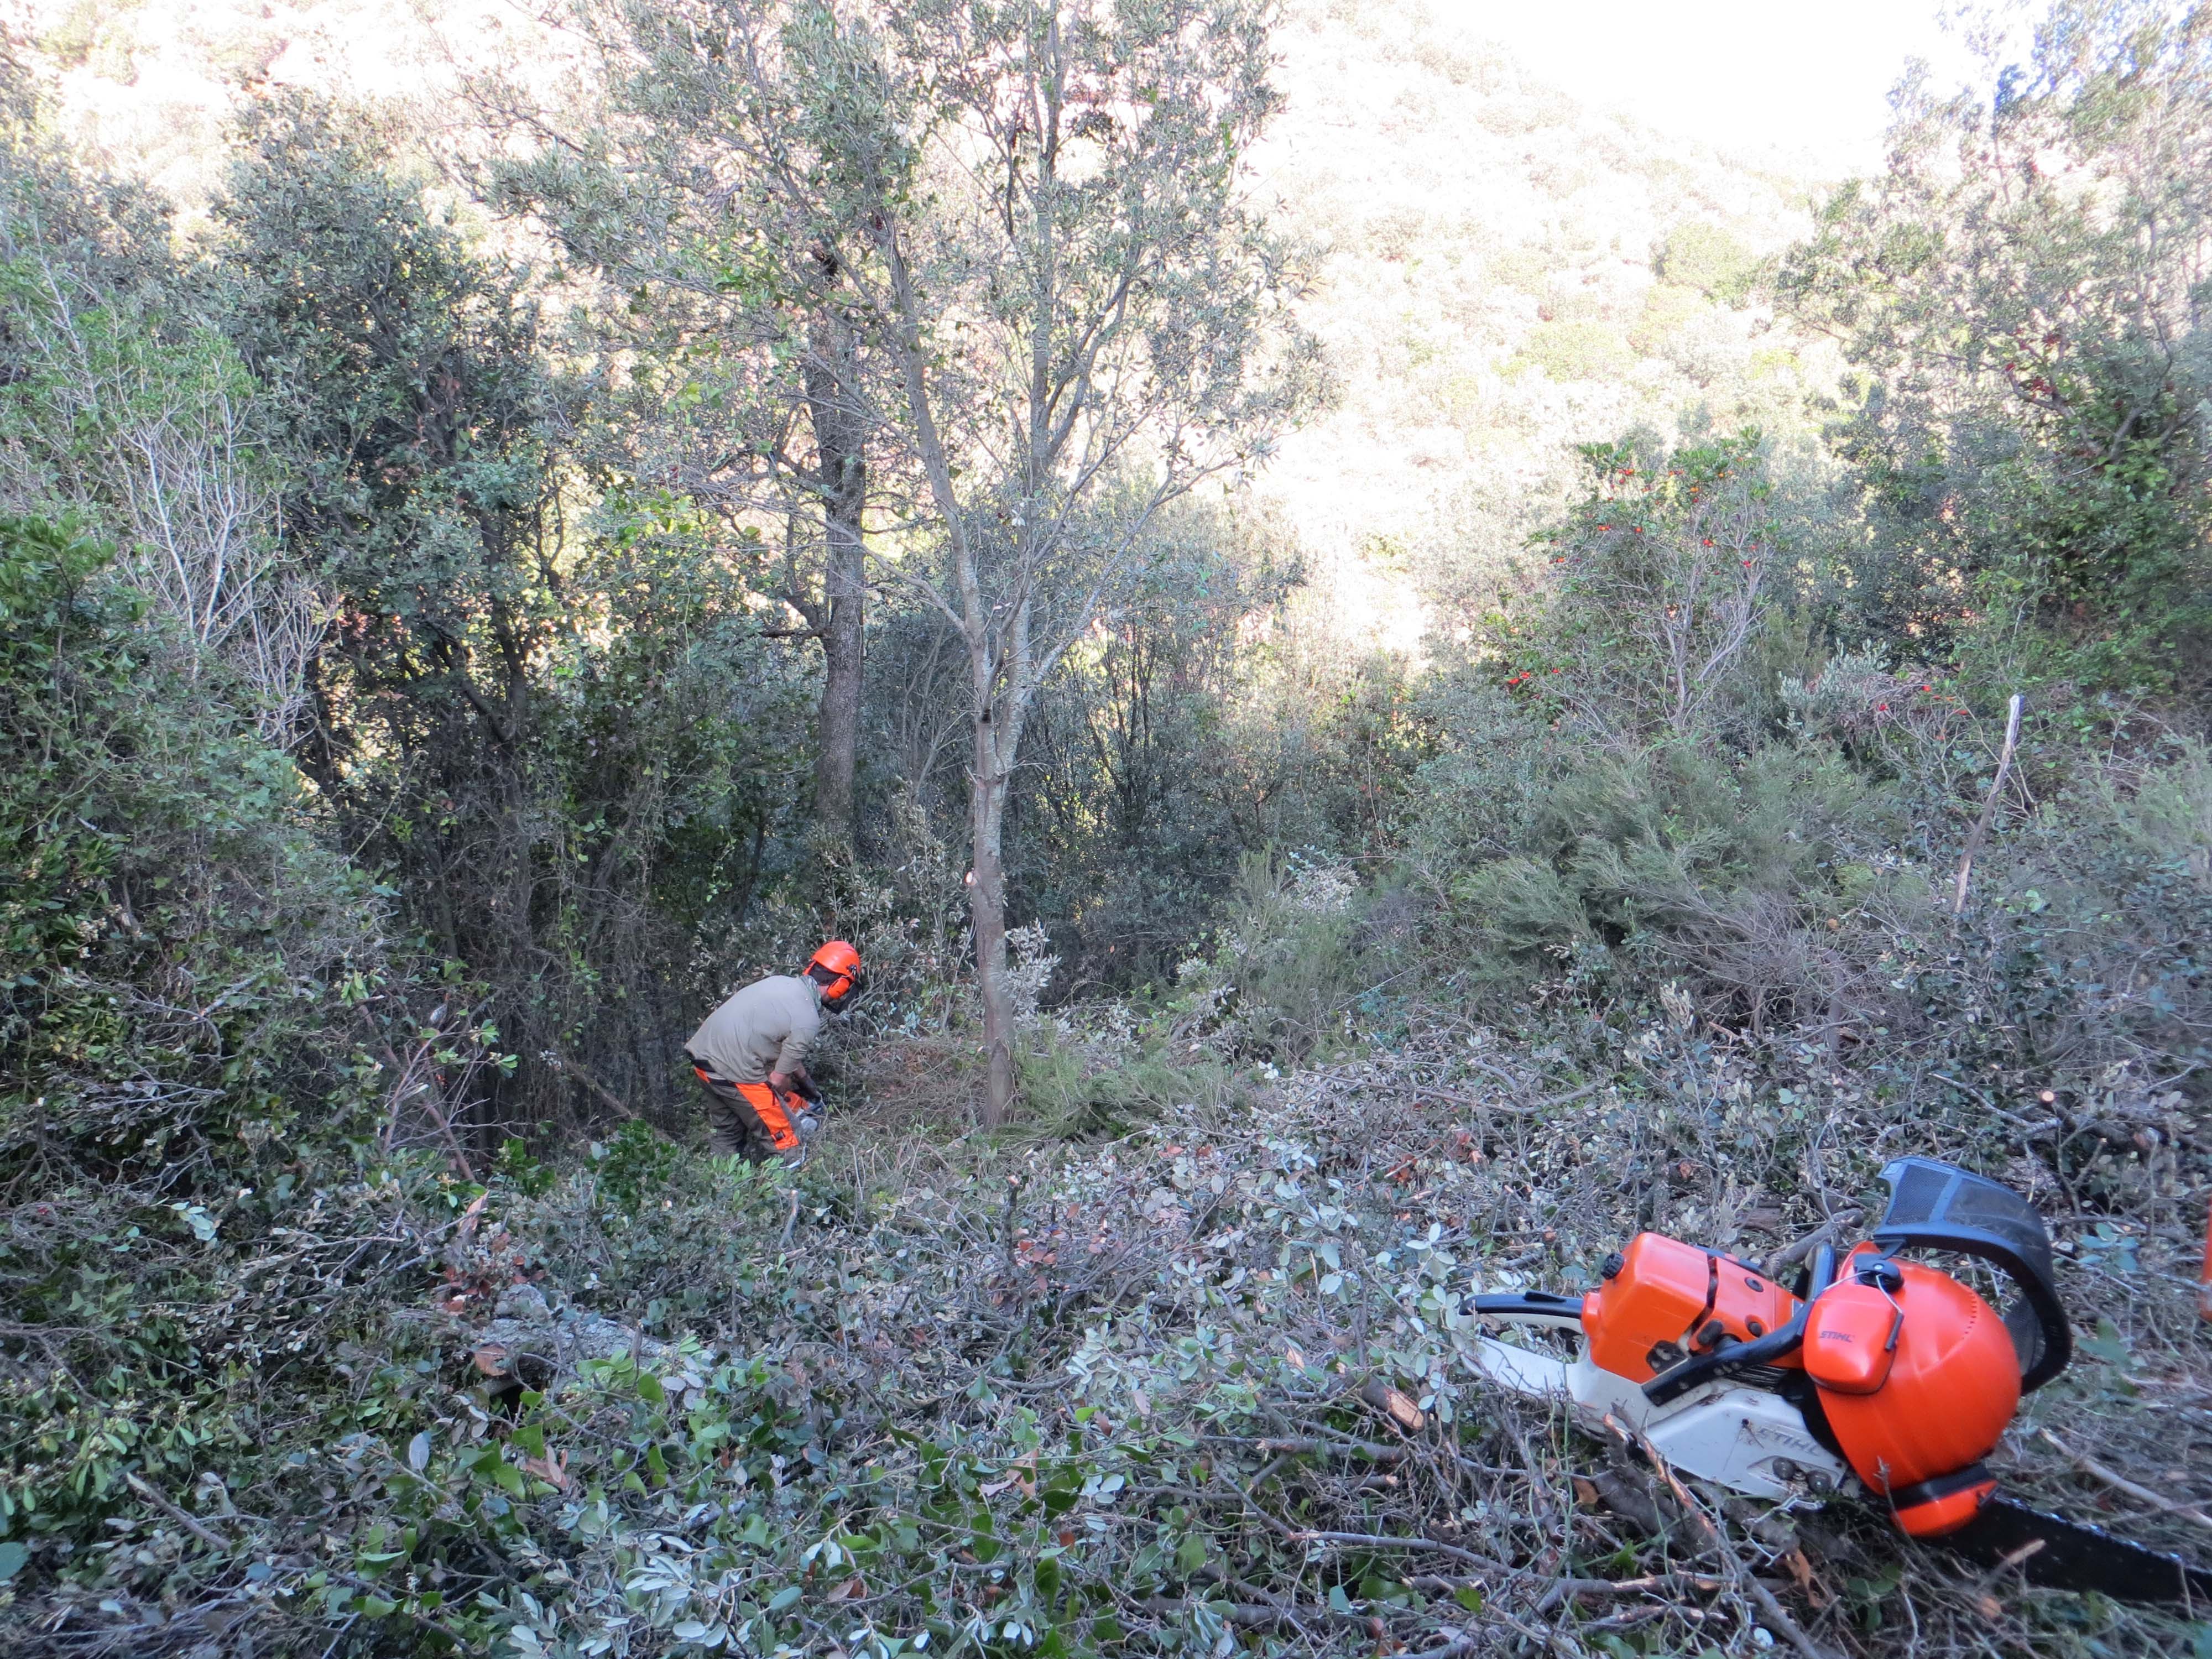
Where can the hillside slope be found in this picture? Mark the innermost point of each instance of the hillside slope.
(1499, 272)
(1503, 274)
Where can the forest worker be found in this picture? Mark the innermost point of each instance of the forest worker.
(750, 1053)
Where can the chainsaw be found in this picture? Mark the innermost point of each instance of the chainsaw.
(1872, 1375)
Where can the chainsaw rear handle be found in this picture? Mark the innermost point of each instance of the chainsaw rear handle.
(1940, 1206)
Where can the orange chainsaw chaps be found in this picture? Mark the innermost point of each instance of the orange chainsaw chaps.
(1917, 1433)
(774, 1112)
(2204, 1283)
(1667, 1299)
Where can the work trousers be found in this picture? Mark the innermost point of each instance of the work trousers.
(746, 1120)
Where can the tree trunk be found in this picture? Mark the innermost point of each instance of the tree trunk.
(996, 744)
(842, 477)
(987, 909)
(838, 734)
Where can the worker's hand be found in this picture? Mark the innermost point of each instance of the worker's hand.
(780, 1081)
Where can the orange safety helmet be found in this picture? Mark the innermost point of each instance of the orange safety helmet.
(837, 969)
(1918, 1377)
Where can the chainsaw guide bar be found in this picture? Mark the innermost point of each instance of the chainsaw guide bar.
(1875, 1374)
(2057, 1553)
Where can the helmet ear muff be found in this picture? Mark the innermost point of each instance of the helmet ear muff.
(837, 969)
(836, 987)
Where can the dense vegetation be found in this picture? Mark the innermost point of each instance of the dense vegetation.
(463, 609)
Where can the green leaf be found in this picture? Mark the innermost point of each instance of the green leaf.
(649, 1390)
(13, 1555)
(2107, 1346)
(783, 1598)
(1190, 1554)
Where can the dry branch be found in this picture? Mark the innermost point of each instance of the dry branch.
(1981, 829)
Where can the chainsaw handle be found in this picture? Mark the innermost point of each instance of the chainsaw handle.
(1528, 1308)
(1700, 1368)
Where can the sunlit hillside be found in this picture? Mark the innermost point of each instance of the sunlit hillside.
(1498, 271)
(1503, 273)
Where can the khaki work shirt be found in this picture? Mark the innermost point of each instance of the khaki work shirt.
(767, 1027)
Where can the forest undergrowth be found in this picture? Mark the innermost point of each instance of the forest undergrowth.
(1196, 1380)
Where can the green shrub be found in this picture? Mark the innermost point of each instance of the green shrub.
(2029, 424)
(1071, 1090)
(1668, 307)
(633, 1167)
(175, 937)
(1709, 257)
(1573, 349)
(1287, 966)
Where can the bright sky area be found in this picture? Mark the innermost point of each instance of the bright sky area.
(1805, 76)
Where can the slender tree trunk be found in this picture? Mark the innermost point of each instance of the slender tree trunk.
(843, 479)
(987, 909)
(839, 718)
(997, 721)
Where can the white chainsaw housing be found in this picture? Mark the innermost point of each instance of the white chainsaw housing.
(1746, 1439)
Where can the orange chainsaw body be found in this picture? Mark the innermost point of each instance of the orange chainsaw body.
(1914, 1374)
(1669, 1299)
(1897, 1371)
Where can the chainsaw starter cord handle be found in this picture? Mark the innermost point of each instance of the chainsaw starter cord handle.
(1678, 1379)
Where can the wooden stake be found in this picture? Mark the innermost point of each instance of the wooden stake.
(1988, 807)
